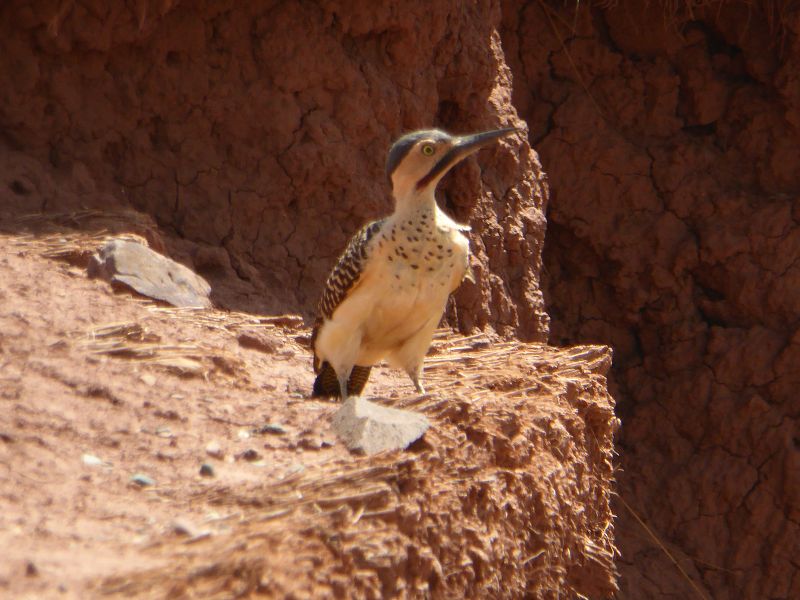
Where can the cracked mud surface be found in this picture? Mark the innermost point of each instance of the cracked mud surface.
(670, 141)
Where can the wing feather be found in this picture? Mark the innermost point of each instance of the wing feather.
(344, 277)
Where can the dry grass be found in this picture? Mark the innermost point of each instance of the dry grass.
(75, 248)
(75, 236)
(489, 502)
(513, 409)
(132, 341)
(655, 539)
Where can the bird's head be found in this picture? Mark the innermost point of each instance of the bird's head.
(419, 160)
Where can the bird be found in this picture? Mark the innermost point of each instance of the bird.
(388, 291)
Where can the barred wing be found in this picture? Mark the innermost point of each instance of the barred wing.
(344, 276)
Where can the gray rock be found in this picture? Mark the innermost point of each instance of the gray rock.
(184, 527)
(149, 273)
(272, 428)
(249, 455)
(142, 480)
(368, 428)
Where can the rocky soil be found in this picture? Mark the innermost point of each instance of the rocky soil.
(156, 452)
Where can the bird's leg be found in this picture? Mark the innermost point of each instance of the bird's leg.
(343, 375)
(415, 373)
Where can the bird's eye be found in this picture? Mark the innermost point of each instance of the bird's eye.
(428, 150)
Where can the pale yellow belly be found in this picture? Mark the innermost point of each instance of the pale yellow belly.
(400, 314)
(408, 299)
(396, 299)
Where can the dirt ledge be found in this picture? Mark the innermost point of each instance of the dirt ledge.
(503, 497)
(507, 495)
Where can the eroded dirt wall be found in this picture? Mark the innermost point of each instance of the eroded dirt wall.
(672, 143)
(262, 128)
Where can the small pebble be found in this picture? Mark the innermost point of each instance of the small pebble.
(31, 570)
(214, 450)
(259, 340)
(142, 480)
(206, 470)
(148, 379)
(249, 455)
(164, 432)
(91, 461)
(270, 428)
(183, 527)
(243, 434)
(170, 415)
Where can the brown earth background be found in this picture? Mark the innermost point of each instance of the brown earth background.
(255, 134)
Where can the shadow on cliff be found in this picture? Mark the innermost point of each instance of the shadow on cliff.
(670, 135)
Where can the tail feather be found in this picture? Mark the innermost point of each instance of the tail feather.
(327, 384)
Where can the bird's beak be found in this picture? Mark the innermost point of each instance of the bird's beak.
(467, 144)
(464, 146)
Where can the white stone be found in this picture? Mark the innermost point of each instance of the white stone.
(368, 428)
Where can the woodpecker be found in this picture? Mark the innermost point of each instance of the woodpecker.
(388, 291)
